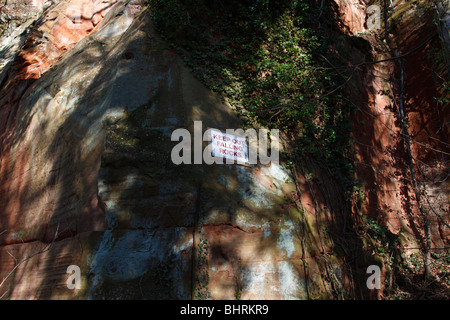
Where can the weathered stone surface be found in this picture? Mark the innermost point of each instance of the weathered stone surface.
(52, 124)
(382, 164)
(90, 96)
(90, 148)
(37, 270)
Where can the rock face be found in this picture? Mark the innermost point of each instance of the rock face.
(90, 97)
(382, 164)
(87, 177)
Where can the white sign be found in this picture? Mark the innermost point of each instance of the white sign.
(229, 146)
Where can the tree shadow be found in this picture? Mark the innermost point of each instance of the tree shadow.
(140, 222)
(110, 174)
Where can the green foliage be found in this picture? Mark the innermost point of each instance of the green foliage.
(414, 263)
(358, 191)
(403, 272)
(201, 289)
(238, 293)
(266, 58)
(384, 240)
(278, 68)
(445, 97)
(438, 58)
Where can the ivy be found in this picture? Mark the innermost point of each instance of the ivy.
(265, 58)
(201, 288)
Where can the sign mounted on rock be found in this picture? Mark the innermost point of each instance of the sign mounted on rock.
(236, 146)
(229, 146)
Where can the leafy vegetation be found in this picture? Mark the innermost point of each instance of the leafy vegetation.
(404, 278)
(201, 289)
(437, 57)
(279, 67)
(272, 64)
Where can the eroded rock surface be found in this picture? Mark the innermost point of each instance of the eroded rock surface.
(87, 177)
(90, 96)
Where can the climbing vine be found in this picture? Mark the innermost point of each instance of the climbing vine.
(201, 287)
(272, 64)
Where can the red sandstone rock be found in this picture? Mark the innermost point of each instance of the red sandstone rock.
(58, 179)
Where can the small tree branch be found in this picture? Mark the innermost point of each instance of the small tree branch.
(17, 264)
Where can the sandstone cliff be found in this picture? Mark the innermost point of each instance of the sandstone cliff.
(89, 97)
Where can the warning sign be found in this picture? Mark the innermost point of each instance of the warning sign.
(229, 146)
